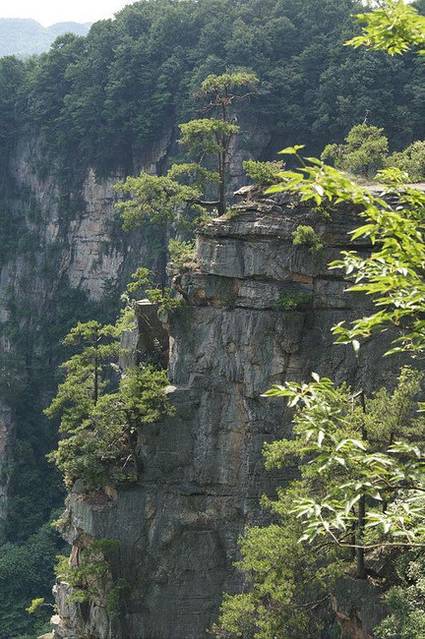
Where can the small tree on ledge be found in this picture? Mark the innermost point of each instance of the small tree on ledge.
(209, 140)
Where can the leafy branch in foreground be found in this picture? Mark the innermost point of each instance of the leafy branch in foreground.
(393, 275)
(363, 471)
(361, 461)
(395, 27)
(359, 498)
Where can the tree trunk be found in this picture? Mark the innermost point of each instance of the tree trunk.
(361, 572)
(96, 381)
(222, 193)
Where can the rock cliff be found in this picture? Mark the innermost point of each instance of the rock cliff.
(64, 258)
(203, 475)
(6, 440)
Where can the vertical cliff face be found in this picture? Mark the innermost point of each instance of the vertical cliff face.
(64, 258)
(203, 475)
(6, 441)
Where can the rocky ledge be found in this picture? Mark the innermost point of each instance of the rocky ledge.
(203, 473)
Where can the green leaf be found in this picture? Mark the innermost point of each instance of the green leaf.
(292, 150)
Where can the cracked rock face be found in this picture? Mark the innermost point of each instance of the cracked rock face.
(203, 472)
(68, 243)
(71, 239)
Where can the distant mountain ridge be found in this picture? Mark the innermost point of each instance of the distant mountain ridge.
(24, 37)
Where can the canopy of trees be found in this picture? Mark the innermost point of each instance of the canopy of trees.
(365, 152)
(105, 98)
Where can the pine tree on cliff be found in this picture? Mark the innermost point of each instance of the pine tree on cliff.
(183, 190)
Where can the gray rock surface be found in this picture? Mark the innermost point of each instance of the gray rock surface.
(6, 442)
(203, 471)
(63, 239)
(66, 237)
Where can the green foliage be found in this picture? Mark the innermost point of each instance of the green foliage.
(26, 574)
(35, 605)
(392, 176)
(394, 28)
(363, 153)
(365, 462)
(165, 198)
(194, 172)
(224, 88)
(141, 283)
(411, 160)
(35, 489)
(140, 279)
(360, 491)
(307, 236)
(158, 198)
(100, 416)
(319, 183)
(214, 135)
(144, 394)
(166, 300)
(91, 579)
(102, 449)
(361, 460)
(12, 78)
(86, 373)
(406, 603)
(120, 89)
(286, 580)
(263, 173)
(181, 254)
(105, 112)
(294, 300)
(392, 275)
(207, 135)
(353, 458)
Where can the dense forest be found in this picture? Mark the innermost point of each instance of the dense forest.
(104, 100)
(105, 97)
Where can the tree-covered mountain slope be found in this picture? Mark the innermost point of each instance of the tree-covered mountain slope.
(103, 99)
(23, 37)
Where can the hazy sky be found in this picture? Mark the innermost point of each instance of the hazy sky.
(49, 11)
